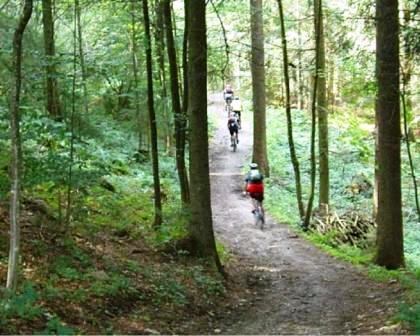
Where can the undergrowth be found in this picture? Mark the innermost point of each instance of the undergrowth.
(109, 262)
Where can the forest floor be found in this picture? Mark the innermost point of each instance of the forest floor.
(294, 288)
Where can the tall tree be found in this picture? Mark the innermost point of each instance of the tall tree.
(201, 225)
(390, 251)
(51, 86)
(152, 117)
(159, 34)
(324, 180)
(259, 153)
(16, 164)
(82, 56)
(179, 117)
(185, 62)
(308, 212)
(293, 156)
(136, 75)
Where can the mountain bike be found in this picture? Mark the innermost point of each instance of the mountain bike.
(258, 214)
(234, 141)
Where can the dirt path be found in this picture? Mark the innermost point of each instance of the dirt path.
(304, 290)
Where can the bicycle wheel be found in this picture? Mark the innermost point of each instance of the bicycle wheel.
(259, 217)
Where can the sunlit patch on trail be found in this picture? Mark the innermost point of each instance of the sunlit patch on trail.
(225, 174)
(267, 269)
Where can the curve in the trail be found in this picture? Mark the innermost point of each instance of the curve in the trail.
(310, 292)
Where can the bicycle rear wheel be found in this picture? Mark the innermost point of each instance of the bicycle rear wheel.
(259, 217)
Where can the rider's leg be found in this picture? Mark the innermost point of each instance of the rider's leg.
(254, 204)
(260, 201)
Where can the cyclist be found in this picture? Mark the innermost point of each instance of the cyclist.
(228, 94)
(237, 108)
(233, 127)
(254, 186)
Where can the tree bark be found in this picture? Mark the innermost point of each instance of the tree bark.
(16, 155)
(295, 161)
(185, 65)
(300, 85)
(322, 109)
(259, 154)
(390, 252)
(160, 53)
(152, 117)
(82, 57)
(53, 104)
(179, 118)
(410, 158)
(308, 212)
(408, 57)
(201, 225)
(136, 77)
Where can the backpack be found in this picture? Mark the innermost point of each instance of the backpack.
(255, 176)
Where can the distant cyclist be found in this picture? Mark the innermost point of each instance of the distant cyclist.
(228, 94)
(237, 109)
(254, 186)
(233, 127)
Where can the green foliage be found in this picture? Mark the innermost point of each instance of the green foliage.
(212, 284)
(381, 274)
(113, 285)
(352, 254)
(354, 138)
(411, 314)
(168, 289)
(223, 253)
(22, 305)
(56, 327)
(63, 267)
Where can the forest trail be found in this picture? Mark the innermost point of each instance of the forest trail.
(299, 289)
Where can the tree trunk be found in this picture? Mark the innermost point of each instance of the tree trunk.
(201, 226)
(160, 53)
(259, 154)
(82, 58)
(16, 155)
(53, 105)
(390, 251)
(72, 125)
(295, 161)
(185, 66)
(152, 117)
(176, 105)
(317, 24)
(408, 58)
(136, 77)
(322, 109)
(300, 85)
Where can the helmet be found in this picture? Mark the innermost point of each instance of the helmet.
(232, 115)
(253, 165)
